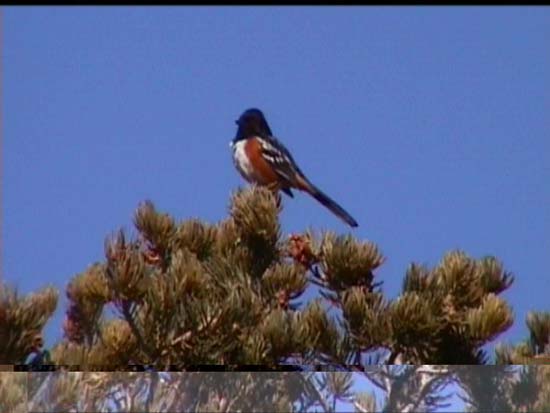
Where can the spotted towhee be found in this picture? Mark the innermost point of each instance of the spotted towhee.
(262, 159)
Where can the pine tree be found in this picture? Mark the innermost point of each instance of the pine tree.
(507, 387)
(191, 293)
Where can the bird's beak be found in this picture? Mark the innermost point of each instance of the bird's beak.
(237, 121)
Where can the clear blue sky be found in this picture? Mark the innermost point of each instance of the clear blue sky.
(429, 124)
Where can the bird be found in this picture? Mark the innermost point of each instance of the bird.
(263, 160)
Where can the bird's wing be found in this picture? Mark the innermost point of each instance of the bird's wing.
(275, 153)
(280, 159)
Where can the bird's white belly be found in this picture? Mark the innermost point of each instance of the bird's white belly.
(241, 160)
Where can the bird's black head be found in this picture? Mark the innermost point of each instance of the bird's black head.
(252, 122)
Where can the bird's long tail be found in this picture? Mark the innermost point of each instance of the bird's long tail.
(331, 204)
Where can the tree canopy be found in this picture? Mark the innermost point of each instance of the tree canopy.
(236, 293)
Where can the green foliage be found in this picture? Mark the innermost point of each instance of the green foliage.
(368, 318)
(13, 392)
(348, 263)
(520, 390)
(539, 326)
(190, 293)
(487, 389)
(447, 314)
(22, 320)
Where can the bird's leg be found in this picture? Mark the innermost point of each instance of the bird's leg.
(278, 199)
(275, 187)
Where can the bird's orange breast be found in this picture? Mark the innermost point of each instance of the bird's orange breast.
(263, 172)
